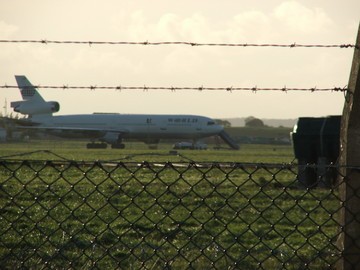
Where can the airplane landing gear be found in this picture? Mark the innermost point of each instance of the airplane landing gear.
(118, 143)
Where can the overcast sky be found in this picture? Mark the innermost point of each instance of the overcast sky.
(229, 21)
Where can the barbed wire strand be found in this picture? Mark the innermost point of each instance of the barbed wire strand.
(187, 43)
(171, 88)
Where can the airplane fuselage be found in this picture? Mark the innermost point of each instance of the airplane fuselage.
(132, 126)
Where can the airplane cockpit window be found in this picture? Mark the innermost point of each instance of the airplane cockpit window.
(210, 123)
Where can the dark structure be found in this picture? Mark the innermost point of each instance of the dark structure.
(316, 147)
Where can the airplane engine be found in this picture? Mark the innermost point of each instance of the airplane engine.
(26, 107)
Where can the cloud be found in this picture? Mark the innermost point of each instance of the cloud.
(301, 18)
(195, 27)
(7, 30)
(169, 26)
(287, 18)
(250, 25)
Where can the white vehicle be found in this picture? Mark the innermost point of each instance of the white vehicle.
(189, 145)
(108, 128)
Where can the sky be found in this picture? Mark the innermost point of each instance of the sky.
(230, 21)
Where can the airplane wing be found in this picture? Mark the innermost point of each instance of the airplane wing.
(68, 131)
(74, 129)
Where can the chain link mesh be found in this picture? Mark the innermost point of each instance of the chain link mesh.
(104, 215)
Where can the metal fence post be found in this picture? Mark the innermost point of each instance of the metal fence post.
(349, 179)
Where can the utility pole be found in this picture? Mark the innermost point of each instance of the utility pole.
(349, 176)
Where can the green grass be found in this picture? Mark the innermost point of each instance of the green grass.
(135, 151)
(130, 216)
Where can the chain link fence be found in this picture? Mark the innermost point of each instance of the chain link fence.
(107, 215)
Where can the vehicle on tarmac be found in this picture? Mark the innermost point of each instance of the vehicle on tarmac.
(189, 145)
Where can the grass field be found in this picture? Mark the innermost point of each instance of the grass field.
(136, 151)
(160, 215)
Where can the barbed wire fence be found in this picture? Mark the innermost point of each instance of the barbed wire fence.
(179, 88)
(144, 215)
(186, 43)
(106, 215)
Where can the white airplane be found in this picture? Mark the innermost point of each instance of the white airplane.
(105, 127)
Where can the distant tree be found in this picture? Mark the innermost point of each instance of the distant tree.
(252, 121)
(225, 123)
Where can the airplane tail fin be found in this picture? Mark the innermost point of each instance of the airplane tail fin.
(27, 90)
(32, 103)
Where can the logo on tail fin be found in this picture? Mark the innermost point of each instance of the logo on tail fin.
(27, 92)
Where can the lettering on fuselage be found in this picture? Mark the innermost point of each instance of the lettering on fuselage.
(182, 120)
